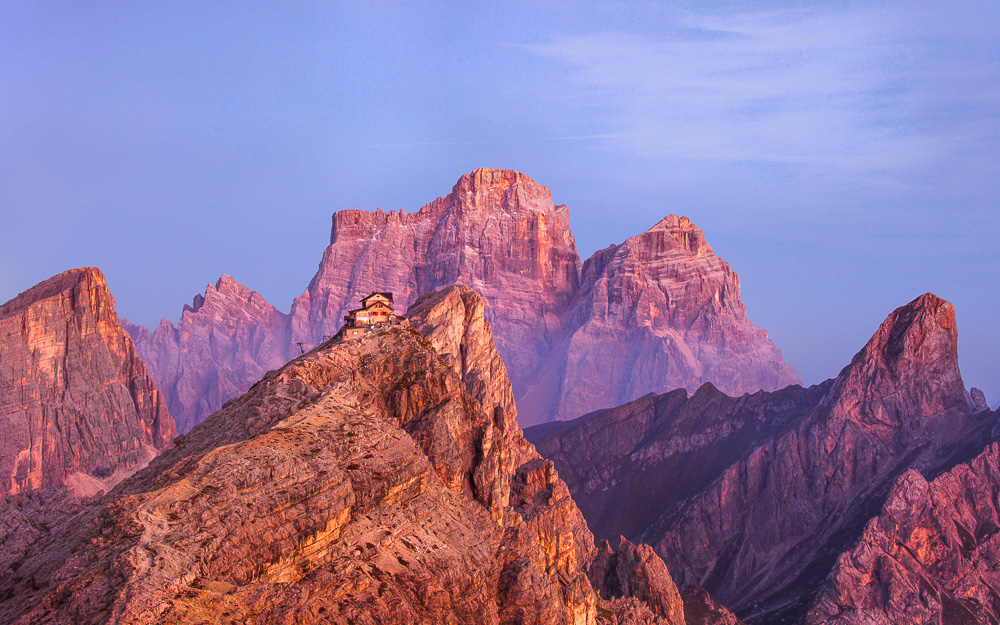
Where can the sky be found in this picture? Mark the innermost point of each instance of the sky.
(843, 157)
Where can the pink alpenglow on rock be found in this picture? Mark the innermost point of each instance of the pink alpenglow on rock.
(755, 497)
(77, 407)
(658, 312)
(226, 340)
(655, 313)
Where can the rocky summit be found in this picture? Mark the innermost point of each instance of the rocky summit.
(226, 340)
(755, 498)
(657, 312)
(77, 407)
(381, 479)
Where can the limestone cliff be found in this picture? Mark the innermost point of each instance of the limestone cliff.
(754, 498)
(498, 231)
(226, 340)
(77, 407)
(377, 480)
(658, 312)
(931, 555)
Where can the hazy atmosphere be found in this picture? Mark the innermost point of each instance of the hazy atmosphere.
(844, 158)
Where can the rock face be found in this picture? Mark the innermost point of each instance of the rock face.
(76, 405)
(765, 491)
(377, 480)
(930, 556)
(636, 571)
(629, 464)
(700, 609)
(658, 312)
(498, 232)
(226, 340)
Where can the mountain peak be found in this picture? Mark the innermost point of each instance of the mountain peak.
(485, 184)
(497, 178)
(908, 367)
(65, 281)
(227, 283)
(86, 412)
(661, 303)
(688, 236)
(923, 331)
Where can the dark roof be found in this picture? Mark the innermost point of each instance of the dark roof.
(384, 294)
(357, 310)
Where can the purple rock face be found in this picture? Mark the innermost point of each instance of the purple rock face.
(754, 498)
(78, 408)
(224, 342)
(930, 555)
(658, 312)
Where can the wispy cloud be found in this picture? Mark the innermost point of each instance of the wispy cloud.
(867, 92)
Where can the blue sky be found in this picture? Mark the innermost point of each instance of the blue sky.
(843, 157)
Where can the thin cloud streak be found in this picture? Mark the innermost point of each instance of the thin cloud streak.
(855, 91)
(412, 144)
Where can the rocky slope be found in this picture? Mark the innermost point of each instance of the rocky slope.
(658, 312)
(766, 490)
(77, 407)
(616, 462)
(930, 556)
(378, 480)
(226, 340)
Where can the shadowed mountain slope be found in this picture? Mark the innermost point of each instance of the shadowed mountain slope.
(755, 497)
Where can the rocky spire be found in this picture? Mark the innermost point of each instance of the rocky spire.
(79, 408)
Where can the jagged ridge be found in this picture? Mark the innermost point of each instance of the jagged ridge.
(766, 490)
(377, 480)
(659, 311)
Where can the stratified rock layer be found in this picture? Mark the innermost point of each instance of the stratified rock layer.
(754, 498)
(931, 556)
(660, 311)
(76, 405)
(378, 480)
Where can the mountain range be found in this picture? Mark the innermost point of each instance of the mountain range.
(658, 312)
(386, 478)
(378, 480)
(760, 498)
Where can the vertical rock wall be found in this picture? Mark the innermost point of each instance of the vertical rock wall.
(78, 407)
